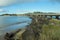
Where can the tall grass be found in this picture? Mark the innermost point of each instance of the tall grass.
(51, 31)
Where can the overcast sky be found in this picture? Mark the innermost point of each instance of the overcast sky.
(24, 6)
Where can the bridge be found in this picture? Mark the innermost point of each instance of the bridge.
(48, 15)
(57, 16)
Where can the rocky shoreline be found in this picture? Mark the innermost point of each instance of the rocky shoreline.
(32, 32)
(41, 28)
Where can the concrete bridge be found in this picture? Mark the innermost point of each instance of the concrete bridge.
(48, 15)
(56, 16)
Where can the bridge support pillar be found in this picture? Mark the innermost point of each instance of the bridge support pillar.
(50, 16)
(39, 15)
(45, 15)
(57, 17)
(42, 15)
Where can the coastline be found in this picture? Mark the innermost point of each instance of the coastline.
(41, 28)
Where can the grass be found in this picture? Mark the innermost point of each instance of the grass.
(51, 31)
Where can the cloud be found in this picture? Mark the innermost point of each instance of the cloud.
(10, 2)
(2, 10)
(6, 2)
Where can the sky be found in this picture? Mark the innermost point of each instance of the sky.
(26, 6)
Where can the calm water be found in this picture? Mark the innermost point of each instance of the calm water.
(11, 23)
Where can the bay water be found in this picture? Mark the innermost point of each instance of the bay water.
(11, 23)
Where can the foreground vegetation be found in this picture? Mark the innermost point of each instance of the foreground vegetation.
(51, 31)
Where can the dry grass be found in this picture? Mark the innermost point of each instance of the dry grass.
(51, 31)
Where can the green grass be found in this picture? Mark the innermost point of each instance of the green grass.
(51, 31)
